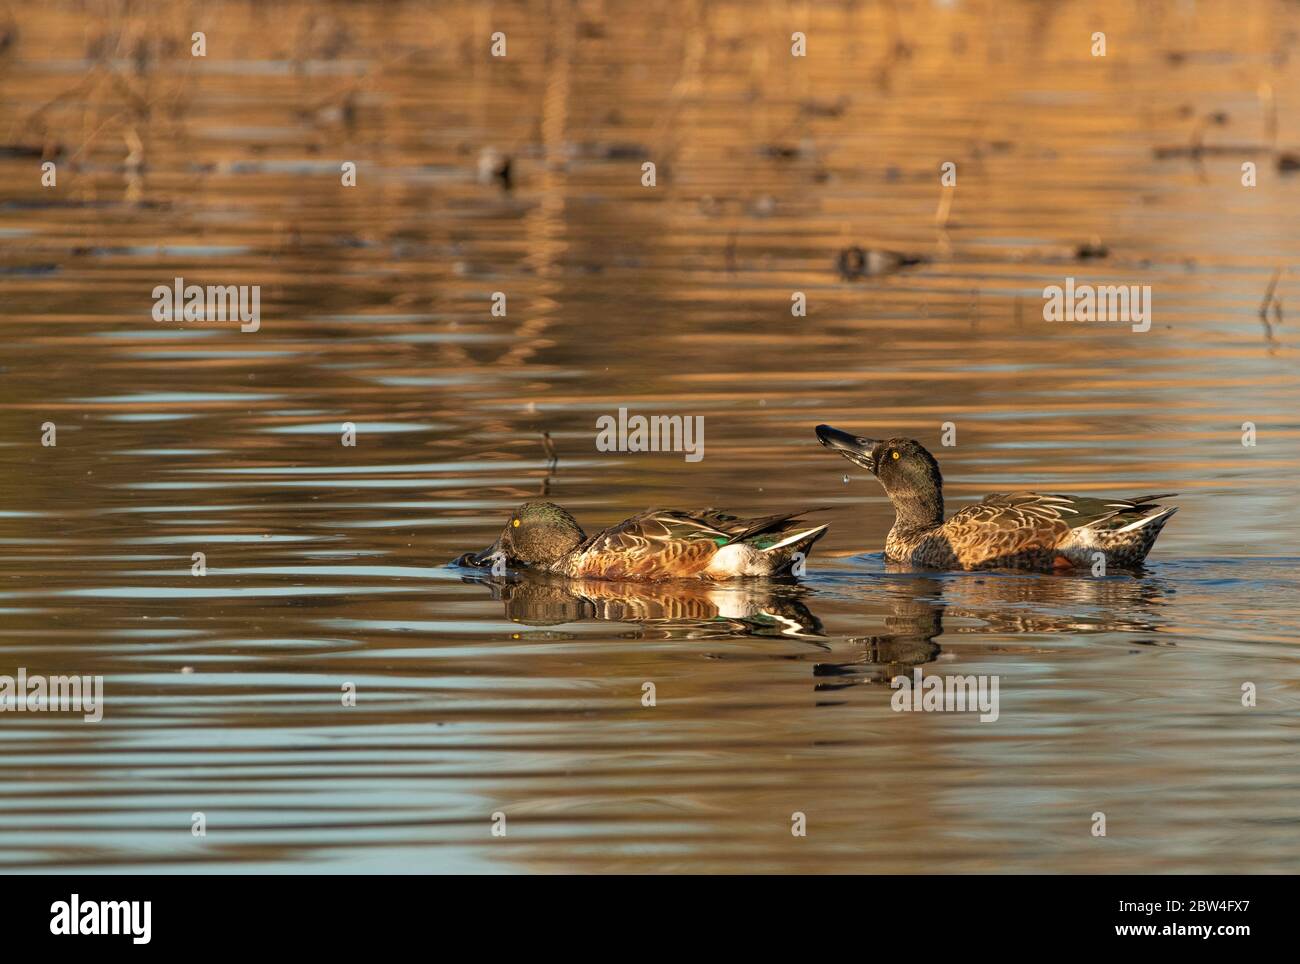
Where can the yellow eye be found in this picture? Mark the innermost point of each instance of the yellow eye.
(893, 455)
(515, 523)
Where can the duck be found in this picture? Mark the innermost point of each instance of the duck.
(1007, 530)
(657, 544)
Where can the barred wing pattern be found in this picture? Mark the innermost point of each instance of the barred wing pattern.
(1032, 526)
(658, 543)
(672, 544)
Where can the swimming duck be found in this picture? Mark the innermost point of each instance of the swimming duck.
(1008, 530)
(657, 544)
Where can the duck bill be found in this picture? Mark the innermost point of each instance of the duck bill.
(478, 560)
(858, 450)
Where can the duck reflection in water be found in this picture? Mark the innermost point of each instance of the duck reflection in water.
(996, 604)
(913, 621)
(681, 609)
(912, 605)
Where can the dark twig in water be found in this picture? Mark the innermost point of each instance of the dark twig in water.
(1198, 150)
(1271, 301)
(553, 459)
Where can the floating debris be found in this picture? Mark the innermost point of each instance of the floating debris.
(1196, 151)
(858, 262)
(1288, 162)
(1271, 301)
(46, 152)
(620, 151)
(821, 108)
(1092, 250)
(781, 152)
(495, 167)
(1196, 148)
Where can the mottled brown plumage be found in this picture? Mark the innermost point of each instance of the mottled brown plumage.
(657, 544)
(1009, 530)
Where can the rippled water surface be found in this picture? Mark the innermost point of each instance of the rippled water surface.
(326, 564)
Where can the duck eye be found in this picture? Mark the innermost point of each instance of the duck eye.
(893, 455)
(515, 523)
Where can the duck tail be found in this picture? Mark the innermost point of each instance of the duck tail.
(783, 553)
(1148, 499)
(773, 525)
(1156, 520)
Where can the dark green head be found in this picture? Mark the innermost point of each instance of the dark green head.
(540, 532)
(908, 472)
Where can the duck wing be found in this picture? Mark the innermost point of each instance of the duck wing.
(762, 532)
(656, 544)
(1076, 511)
(672, 544)
(1006, 525)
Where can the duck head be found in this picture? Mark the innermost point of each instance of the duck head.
(539, 533)
(908, 472)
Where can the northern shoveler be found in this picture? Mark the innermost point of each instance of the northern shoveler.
(657, 544)
(1008, 530)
